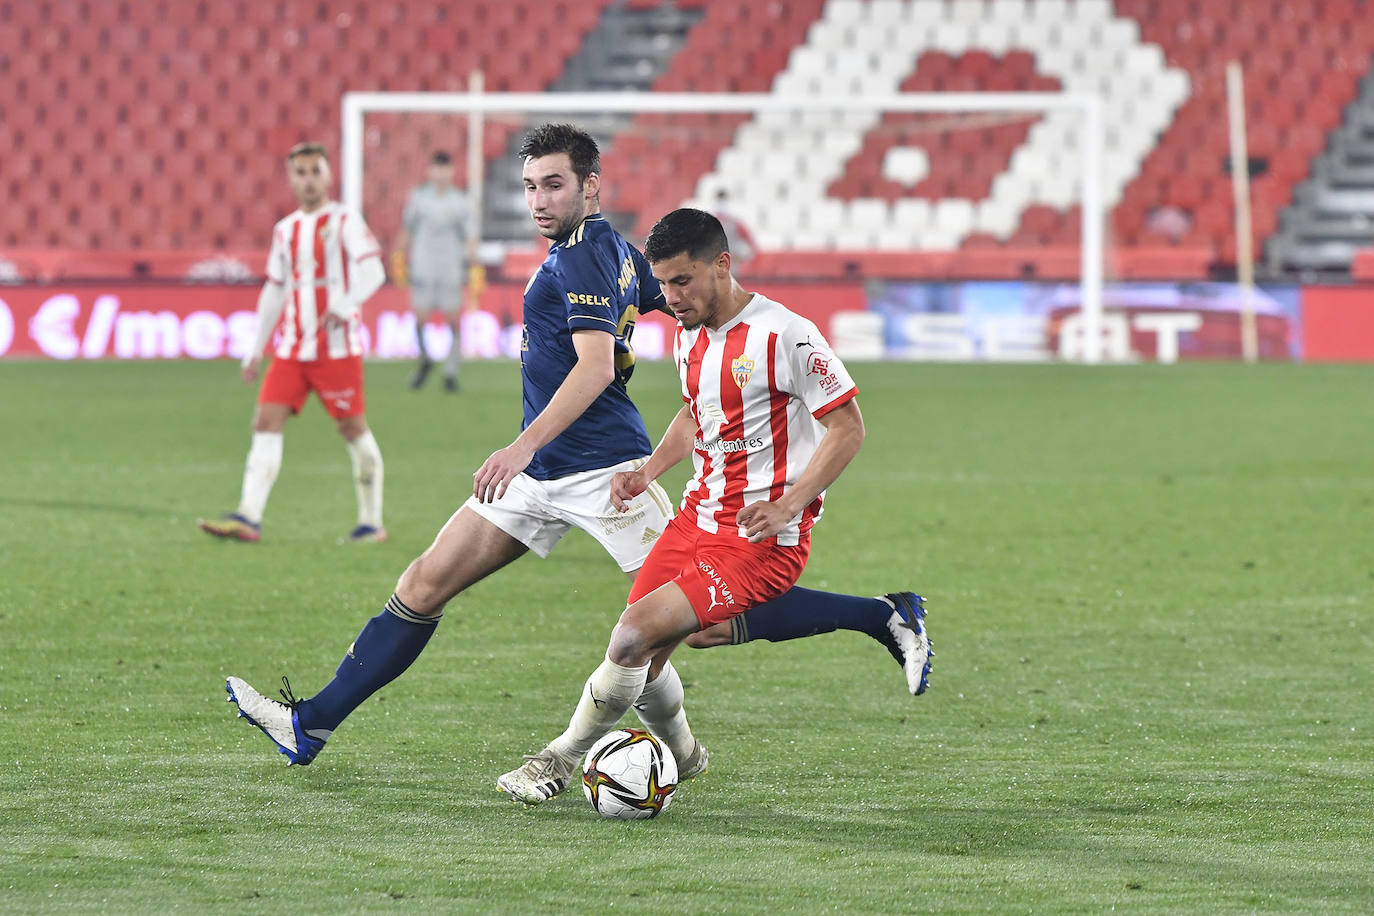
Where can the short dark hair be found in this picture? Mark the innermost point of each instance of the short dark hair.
(695, 232)
(547, 139)
(308, 148)
(440, 158)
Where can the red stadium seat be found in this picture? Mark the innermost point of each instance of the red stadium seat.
(230, 85)
(1362, 267)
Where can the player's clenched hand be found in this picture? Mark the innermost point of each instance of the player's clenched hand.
(249, 371)
(625, 486)
(762, 520)
(489, 482)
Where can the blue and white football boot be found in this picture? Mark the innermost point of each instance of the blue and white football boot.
(277, 720)
(910, 644)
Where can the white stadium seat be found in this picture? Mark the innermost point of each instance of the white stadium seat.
(844, 11)
(996, 217)
(992, 35)
(912, 213)
(883, 14)
(953, 37)
(954, 215)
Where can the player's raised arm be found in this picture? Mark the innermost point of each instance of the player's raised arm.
(589, 376)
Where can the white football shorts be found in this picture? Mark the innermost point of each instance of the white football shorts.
(537, 513)
(427, 295)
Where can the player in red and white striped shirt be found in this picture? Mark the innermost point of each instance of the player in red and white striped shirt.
(770, 420)
(324, 264)
(756, 388)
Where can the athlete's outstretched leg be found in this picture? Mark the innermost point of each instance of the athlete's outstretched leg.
(896, 620)
(467, 549)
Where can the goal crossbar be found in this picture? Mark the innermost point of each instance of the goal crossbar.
(356, 105)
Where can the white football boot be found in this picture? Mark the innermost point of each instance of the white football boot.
(695, 764)
(912, 647)
(276, 720)
(542, 776)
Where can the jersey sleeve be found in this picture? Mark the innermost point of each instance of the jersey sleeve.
(815, 374)
(358, 241)
(651, 296)
(365, 274)
(588, 289)
(278, 262)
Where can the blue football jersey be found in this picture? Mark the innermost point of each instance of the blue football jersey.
(591, 279)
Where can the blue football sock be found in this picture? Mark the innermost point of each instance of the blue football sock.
(385, 648)
(803, 612)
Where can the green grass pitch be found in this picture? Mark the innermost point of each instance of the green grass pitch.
(1150, 593)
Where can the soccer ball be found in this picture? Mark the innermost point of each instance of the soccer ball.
(629, 775)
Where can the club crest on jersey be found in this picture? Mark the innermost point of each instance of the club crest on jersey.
(742, 368)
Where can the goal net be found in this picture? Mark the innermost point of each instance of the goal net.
(887, 197)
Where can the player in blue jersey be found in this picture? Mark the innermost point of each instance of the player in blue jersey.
(580, 429)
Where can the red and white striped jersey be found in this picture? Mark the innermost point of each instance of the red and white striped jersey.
(756, 386)
(316, 257)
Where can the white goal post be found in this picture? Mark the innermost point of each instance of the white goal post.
(356, 105)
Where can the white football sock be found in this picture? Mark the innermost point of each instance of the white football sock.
(608, 694)
(660, 709)
(259, 473)
(367, 478)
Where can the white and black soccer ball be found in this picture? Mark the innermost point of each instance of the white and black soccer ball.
(628, 774)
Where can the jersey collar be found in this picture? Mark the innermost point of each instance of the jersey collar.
(585, 220)
(740, 316)
(323, 209)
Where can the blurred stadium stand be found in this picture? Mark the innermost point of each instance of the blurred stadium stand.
(144, 139)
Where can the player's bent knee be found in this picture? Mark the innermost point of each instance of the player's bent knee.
(352, 427)
(629, 645)
(270, 418)
(422, 593)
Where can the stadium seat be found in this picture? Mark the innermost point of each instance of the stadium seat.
(139, 89)
(1362, 267)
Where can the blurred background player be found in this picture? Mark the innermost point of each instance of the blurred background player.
(431, 254)
(324, 264)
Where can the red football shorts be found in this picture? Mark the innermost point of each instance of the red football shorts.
(723, 575)
(338, 382)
